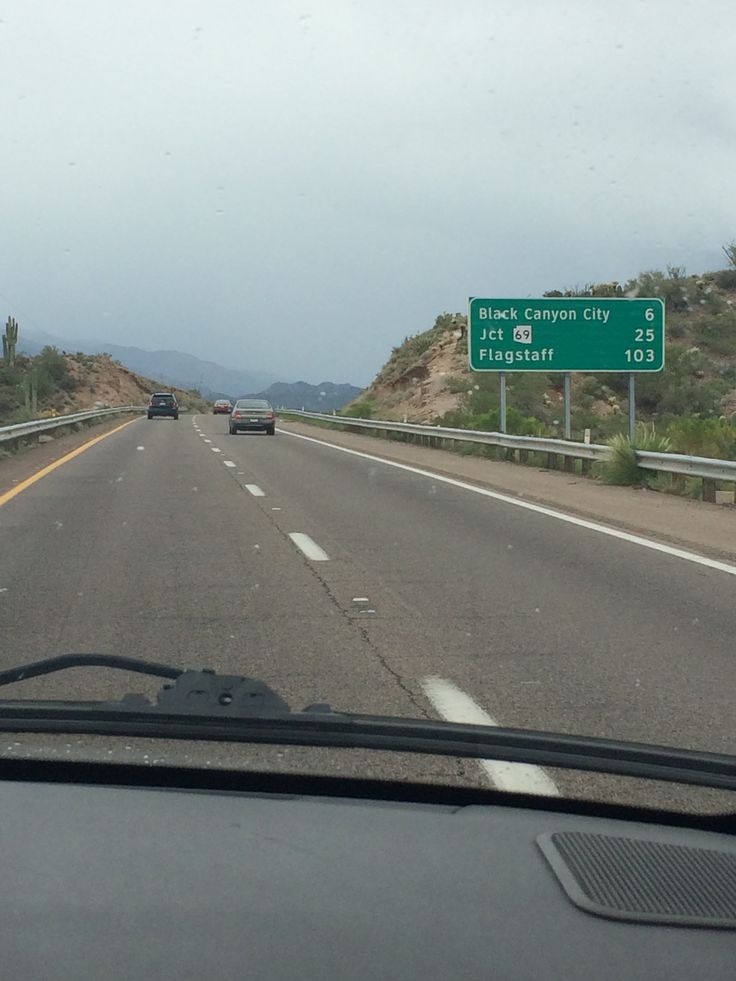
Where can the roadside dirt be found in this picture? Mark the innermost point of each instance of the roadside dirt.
(706, 528)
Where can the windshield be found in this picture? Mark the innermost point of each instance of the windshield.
(472, 267)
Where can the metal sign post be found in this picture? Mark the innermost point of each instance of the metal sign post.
(632, 406)
(502, 402)
(566, 405)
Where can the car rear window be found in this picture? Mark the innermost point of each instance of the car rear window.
(253, 404)
(163, 400)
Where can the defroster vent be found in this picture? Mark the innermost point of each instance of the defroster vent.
(644, 881)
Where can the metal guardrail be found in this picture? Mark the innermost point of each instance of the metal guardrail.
(538, 444)
(708, 469)
(21, 429)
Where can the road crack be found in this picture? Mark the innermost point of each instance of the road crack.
(362, 632)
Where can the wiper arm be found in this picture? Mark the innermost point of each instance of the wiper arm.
(51, 665)
(200, 692)
(202, 705)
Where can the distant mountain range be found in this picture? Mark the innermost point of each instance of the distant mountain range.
(181, 370)
(313, 398)
(174, 368)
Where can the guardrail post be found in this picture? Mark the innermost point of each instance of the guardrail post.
(569, 464)
(709, 490)
(524, 456)
(551, 461)
(585, 467)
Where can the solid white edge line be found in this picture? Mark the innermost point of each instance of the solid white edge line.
(455, 705)
(255, 490)
(229, 463)
(571, 519)
(308, 546)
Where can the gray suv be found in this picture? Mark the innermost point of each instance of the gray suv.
(163, 404)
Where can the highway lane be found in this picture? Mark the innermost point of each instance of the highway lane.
(178, 552)
(144, 546)
(546, 625)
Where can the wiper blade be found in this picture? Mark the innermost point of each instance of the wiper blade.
(51, 665)
(202, 705)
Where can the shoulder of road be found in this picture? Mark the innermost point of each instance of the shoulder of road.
(706, 528)
(27, 461)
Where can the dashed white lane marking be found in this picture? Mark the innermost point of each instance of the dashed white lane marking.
(624, 536)
(229, 463)
(361, 599)
(215, 449)
(208, 440)
(308, 546)
(275, 509)
(140, 447)
(255, 490)
(454, 705)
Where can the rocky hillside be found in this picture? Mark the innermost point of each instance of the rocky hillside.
(426, 379)
(185, 371)
(54, 383)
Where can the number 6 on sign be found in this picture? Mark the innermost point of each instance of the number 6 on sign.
(523, 333)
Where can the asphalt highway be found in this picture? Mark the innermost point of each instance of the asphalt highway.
(336, 577)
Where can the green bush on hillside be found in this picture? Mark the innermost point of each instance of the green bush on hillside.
(718, 333)
(703, 437)
(489, 422)
(360, 410)
(726, 279)
(682, 388)
(53, 373)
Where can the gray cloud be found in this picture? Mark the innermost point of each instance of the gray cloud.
(295, 186)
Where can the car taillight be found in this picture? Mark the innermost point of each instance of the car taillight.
(236, 415)
(269, 415)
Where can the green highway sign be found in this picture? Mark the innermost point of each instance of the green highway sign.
(561, 334)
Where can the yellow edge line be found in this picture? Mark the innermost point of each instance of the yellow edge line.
(25, 484)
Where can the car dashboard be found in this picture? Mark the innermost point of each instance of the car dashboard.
(124, 881)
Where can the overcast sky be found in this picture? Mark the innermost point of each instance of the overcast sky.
(296, 186)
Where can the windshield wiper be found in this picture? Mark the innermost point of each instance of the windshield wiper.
(23, 672)
(203, 705)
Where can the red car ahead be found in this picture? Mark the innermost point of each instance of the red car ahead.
(222, 406)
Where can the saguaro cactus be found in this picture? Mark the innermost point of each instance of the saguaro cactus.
(30, 390)
(10, 339)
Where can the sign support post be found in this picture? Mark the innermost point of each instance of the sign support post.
(632, 406)
(566, 405)
(502, 402)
